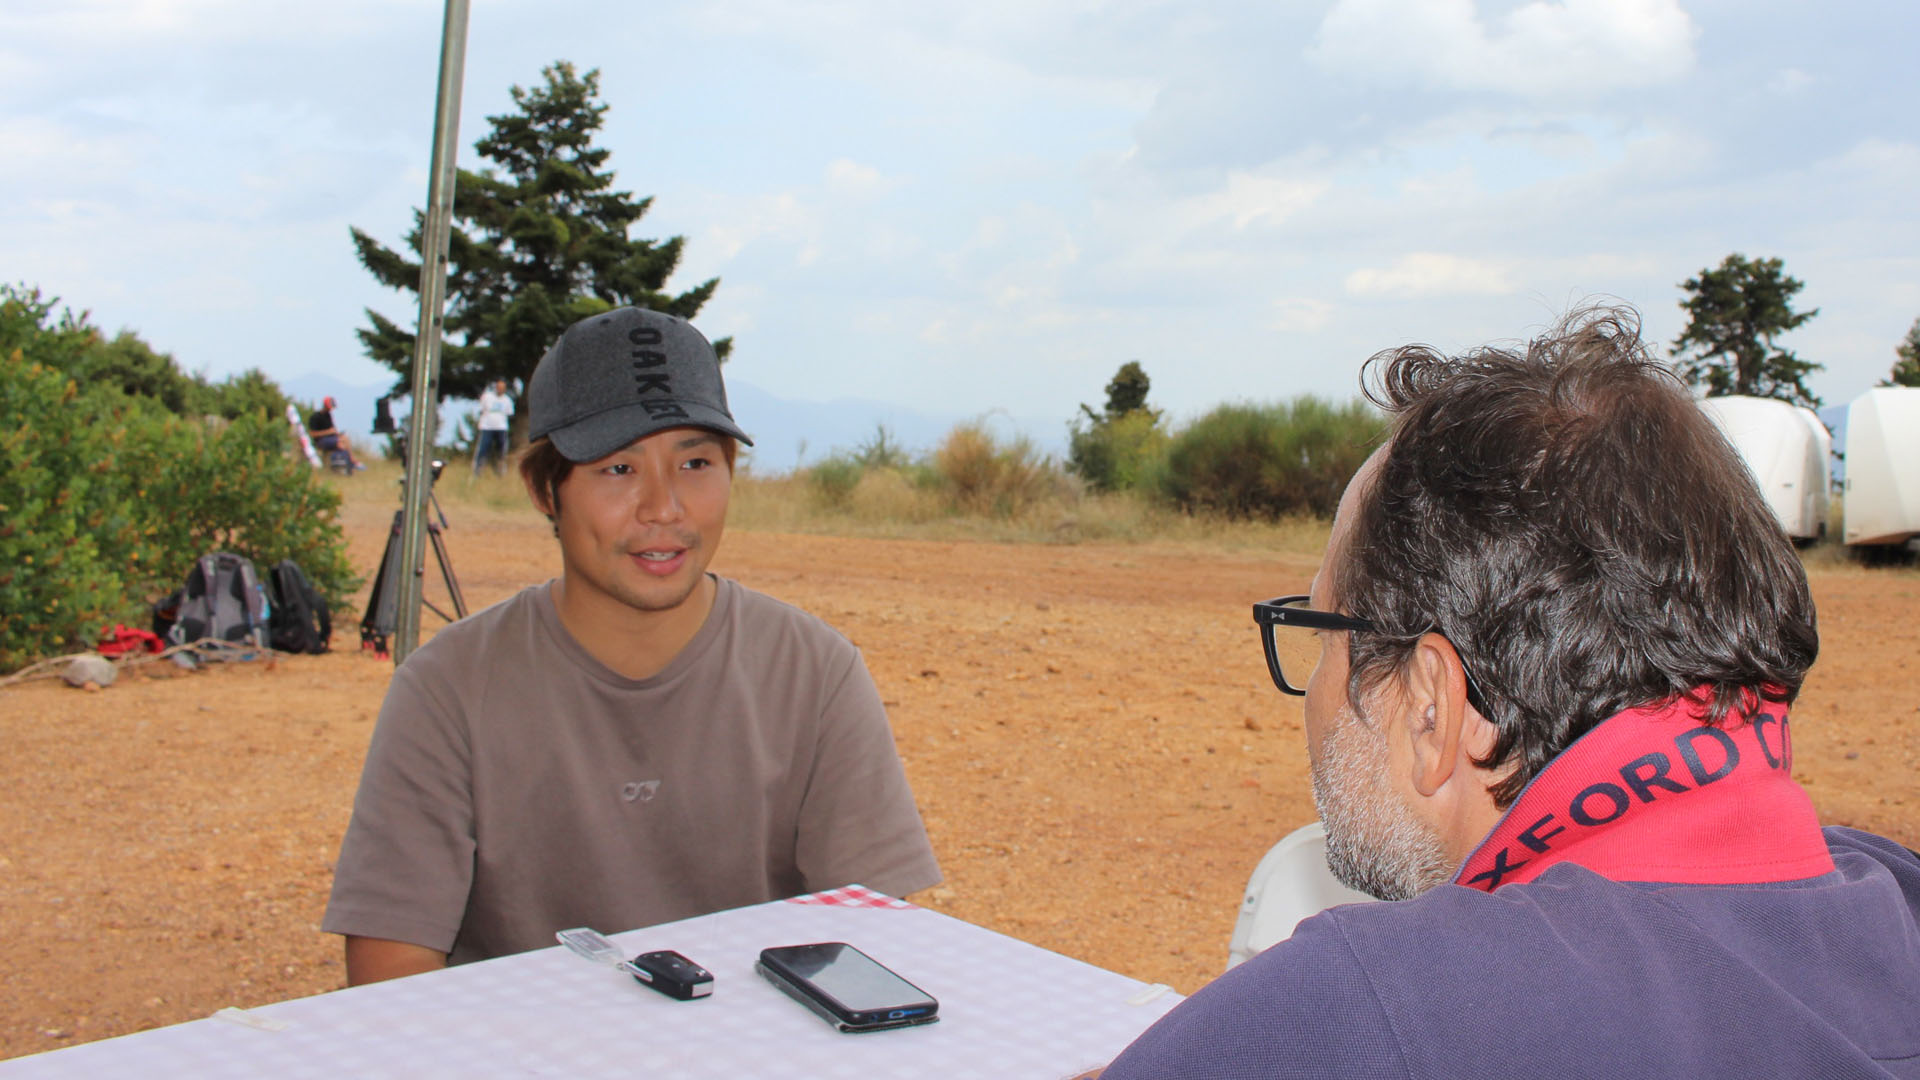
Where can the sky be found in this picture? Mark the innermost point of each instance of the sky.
(986, 209)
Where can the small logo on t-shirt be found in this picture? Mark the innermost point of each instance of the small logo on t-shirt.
(640, 790)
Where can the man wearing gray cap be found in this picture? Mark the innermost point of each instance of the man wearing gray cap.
(637, 740)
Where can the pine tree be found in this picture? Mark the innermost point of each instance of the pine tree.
(1113, 450)
(1906, 369)
(540, 240)
(1733, 314)
(1126, 393)
(1128, 390)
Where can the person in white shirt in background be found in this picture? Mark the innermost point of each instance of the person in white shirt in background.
(496, 409)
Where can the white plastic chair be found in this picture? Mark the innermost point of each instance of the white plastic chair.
(1291, 883)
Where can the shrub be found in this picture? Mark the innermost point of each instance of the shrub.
(27, 326)
(77, 349)
(236, 487)
(834, 479)
(1120, 453)
(1267, 461)
(893, 495)
(61, 515)
(249, 393)
(882, 451)
(980, 475)
(106, 499)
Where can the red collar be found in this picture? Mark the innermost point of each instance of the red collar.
(1658, 794)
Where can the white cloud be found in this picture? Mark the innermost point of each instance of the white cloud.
(1251, 199)
(1426, 274)
(1300, 315)
(1007, 50)
(988, 232)
(98, 22)
(1596, 268)
(740, 222)
(1578, 47)
(1788, 82)
(883, 188)
(43, 153)
(1883, 159)
(1553, 140)
(849, 177)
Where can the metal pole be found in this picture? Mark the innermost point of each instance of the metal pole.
(426, 345)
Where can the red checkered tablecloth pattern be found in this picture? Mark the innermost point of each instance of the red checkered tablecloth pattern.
(852, 896)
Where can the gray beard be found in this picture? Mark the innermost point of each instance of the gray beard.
(1374, 842)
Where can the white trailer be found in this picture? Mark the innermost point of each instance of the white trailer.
(1882, 466)
(1786, 449)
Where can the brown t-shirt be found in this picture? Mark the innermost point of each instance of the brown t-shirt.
(516, 786)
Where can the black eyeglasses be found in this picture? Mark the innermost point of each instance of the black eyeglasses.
(1296, 652)
(1299, 653)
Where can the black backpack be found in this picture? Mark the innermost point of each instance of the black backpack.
(221, 599)
(300, 622)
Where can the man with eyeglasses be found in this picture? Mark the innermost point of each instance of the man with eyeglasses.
(1547, 666)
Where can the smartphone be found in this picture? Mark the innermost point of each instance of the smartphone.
(846, 987)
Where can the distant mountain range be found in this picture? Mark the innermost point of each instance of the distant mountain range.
(785, 432)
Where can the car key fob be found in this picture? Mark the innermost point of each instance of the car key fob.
(671, 974)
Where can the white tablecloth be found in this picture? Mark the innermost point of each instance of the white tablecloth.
(1008, 1009)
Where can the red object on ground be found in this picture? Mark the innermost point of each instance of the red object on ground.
(120, 639)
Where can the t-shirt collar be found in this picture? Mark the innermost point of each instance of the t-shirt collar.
(704, 639)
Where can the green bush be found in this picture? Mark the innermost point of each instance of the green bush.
(883, 451)
(1118, 453)
(107, 499)
(68, 548)
(236, 487)
(125, 362)
(250, 393)
(834, 479)
(1268, 461)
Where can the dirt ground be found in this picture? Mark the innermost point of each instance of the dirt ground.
(1089, 730)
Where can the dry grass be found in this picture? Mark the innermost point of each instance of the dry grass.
(893, 504)
(887, 505)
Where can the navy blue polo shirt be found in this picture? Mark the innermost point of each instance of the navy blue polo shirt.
(1574, 975)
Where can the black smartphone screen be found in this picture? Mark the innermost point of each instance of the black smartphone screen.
(850, 977)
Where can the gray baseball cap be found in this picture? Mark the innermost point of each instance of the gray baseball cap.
(622, 375)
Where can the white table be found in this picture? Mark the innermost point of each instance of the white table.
(1008, 1009)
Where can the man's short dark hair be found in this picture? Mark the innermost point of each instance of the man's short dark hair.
(544, 469)
(1571, 521)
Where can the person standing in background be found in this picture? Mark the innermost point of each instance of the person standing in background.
(496, 409)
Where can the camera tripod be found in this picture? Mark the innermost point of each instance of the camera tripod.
(383, 604)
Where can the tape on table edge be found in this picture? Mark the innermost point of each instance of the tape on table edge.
(1150, 994)
(250, 1019)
